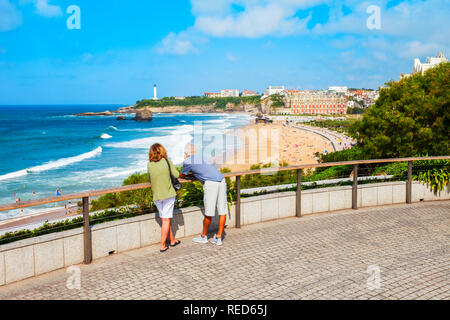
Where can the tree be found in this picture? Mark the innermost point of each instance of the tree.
(410, 117)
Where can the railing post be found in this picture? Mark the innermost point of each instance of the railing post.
(238, 202)
(87, 232)
(355, 187)
(409, 183)
(298, 194)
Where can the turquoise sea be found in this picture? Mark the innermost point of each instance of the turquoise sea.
(46, 147)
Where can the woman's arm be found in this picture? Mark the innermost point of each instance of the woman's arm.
(148, 173)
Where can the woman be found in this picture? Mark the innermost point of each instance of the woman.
(163, 191)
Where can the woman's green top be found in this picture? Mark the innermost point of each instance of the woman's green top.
(158, 175)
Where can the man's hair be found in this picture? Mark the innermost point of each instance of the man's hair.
(189, 149)
(157, 152)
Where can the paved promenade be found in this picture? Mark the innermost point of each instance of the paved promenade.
(322, 256)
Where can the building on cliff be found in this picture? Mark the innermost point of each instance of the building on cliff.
(229, 93)
(431, 62)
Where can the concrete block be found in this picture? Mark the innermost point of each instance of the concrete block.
(193, 223)
(445, 194)
(73, 250)
(104, 242)
(286, 206)
(269, 209)
(384, 195)
(178, 225)
(307, 203)
(348, 199)
(251, 211)
(337, 200)
(429, 194)
(128, 236)
(231, 218)
(399, 193)
(48, 256)
(19, 264)
(418, 192)
(2, 269)
(320, 202)
(369, 196)
(150, 232)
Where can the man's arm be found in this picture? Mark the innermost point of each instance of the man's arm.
(185, 171)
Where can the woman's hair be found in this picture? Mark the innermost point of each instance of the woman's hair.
(157, 152)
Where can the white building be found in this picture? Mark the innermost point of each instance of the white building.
(338, 89)
(430, 63)
(273, 90)
(229, 93)
(248, 93)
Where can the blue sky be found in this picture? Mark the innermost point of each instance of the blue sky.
(188, 47)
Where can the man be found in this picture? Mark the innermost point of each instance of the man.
(214, 191)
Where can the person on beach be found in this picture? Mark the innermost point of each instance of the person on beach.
(214, 191)
(163, 192)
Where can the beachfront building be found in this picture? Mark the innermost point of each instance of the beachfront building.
(338, 89)
(315, 102)
(212, 94)
(229, 93)
(248, 93)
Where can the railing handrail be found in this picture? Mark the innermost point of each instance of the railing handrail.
(92, 193)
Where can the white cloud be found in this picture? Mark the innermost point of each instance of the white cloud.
(10, 17)
(177, 44)
(416, 19)
(416, 27)
(255, 21)
(230, 57)
(44, 8)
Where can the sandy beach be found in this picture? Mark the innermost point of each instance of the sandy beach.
(275, 143)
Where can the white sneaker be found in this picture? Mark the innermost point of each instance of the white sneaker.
(216, 241)
(201, 239)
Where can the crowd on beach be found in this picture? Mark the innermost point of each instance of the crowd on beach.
(340, 141)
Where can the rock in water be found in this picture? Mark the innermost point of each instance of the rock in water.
(92, 114)
(143, 115)
(120, 118)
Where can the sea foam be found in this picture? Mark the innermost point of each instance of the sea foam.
(52, 164)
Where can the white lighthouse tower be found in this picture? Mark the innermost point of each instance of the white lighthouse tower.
(154, 92)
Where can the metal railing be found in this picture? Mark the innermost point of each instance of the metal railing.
(87, 194)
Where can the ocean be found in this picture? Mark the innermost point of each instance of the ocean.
(47, 147)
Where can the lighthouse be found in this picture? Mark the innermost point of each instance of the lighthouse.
(154, 92)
